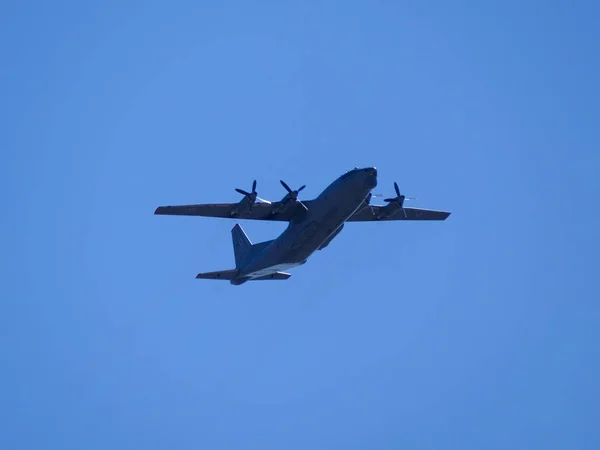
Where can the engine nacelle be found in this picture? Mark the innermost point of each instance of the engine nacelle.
(244, 206)
(286, 203)
(282, 205)
(388, 211)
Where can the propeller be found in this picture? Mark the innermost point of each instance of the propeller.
(251, 195)
(399, 199)
(294, 194)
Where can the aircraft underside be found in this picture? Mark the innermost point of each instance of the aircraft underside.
(313, 224)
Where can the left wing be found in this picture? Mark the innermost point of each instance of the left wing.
(259, 211)
(365, 215)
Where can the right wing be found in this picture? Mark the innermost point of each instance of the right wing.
(259, 211)
(365, 215)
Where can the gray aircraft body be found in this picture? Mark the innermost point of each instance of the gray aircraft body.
(313, 224)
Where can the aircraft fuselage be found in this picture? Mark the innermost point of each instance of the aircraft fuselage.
(309, 230)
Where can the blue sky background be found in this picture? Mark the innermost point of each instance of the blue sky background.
(478, 332)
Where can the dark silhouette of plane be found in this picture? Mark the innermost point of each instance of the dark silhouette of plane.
(313, 224)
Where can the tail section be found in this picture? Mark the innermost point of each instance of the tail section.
(241, 245)
(230, 275)
(243, 248)
(244, 251)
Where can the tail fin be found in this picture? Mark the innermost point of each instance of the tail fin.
(241, 245)
(243, 248)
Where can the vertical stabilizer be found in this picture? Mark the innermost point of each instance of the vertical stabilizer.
(241, 245)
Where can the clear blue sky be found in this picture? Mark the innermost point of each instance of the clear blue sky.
(478, 332)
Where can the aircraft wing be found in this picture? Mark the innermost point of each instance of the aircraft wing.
(365, 215)
(260, 211)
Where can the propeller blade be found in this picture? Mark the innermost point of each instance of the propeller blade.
(287, 188)
(293, 195)
(400, 198)
(252, 195)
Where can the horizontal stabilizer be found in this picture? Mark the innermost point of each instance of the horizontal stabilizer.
(274, 276)
(219, 275)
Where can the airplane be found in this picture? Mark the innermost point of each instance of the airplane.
(312, 224)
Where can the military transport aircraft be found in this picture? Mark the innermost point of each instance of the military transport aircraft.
(312, 223)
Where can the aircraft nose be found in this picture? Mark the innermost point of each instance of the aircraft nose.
(371, 180)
